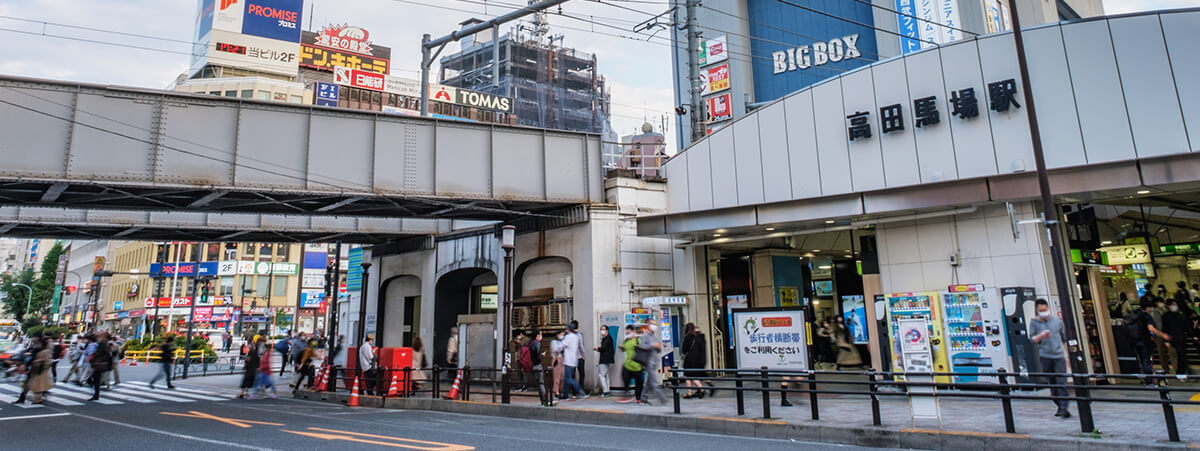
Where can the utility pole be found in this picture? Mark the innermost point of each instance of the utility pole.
(1066, 295)
(158, 287)
(693, 48)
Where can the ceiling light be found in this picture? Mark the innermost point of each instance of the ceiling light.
(1144, 191)
(848, 256)
(721, 230)
(770, 229)
(721, 240)
(1105, 243)
(716, 235)
(824, 266)
(830, 221)
(816, 250)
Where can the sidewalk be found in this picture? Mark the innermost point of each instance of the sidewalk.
(846, 419)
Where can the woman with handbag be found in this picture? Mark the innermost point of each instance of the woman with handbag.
(40, 381)
(693, 358)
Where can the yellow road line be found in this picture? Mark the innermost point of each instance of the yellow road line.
(395, 442)
(230, 421)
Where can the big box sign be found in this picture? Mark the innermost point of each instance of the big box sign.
(776, 339)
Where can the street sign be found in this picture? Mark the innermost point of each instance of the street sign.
(1127, 254)
(1178, 249)
(99, 264)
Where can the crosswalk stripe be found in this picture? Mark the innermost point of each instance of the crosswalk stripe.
(84, 394)
(113, 394)
(52, 398)
(154, 395)
(219, 394)
(11, 398)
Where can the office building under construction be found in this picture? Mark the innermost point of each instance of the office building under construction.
(552, 86)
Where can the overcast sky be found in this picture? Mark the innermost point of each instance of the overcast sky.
(638, 71)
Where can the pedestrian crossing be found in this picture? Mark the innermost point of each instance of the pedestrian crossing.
(128, 392)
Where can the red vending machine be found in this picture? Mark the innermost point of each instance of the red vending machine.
(393, 361)
(351, 367)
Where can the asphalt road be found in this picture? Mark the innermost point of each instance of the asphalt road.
(203, 415)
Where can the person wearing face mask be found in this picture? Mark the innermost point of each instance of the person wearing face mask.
(1143, 332)
(1177, 326)
(1160, 345)
(1049, 334)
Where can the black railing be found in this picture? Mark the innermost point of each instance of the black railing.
(783, 382)
(436, 382)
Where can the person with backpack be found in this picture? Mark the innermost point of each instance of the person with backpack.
(520, 351)
(283, 347)
(607, 353)
(264, 376)
(165, 360)
(100, 358)
(631, 368)
(1049, 334)
(1142, 331)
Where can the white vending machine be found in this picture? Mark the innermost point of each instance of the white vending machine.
(976, 338)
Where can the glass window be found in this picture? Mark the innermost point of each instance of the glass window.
(279, 287)
(215, 93)
(191, 253)
(296, 99)
(226, 286)
(264, 95)
(283, 253)
(247, 93)
(248, 253)
(260, 285)
(231, 93)
(264, 252)
(354, 95)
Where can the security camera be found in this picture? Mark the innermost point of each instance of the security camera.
(680, 110)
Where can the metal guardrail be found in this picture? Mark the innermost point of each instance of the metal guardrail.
(493, 382)
(765, 382)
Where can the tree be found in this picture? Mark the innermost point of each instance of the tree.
(16, 296)
(43, 287)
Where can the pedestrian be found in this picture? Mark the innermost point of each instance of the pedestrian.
(226, 341)
(847, 352)
(1178, 327)
(117, 347)
(166, 360)
(249, 369)
(339, 358)
(28, 358)
(694, 357)
(1142, 330)
(366, 364)
(452, 352)
(419, 363)
(517, 355)
(38, 379)
(607, 353)
(56, 354)
(536, 357)
(264, 380)
(823, 343)
(1124, 305)
(579, 365)
(556, 352)
(305, 370)
(283, 347)
(100, 358)
(572, 349)
(1160, 345)
(73, 354)
(650, 342)
(296, 349)
(631, 369)
(1049, 334)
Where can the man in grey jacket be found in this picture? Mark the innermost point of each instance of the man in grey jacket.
(649, 340)
(1049, 334)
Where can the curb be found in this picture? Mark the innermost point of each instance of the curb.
(868, 436)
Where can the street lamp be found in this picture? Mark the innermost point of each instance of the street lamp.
(28, 300)
(507, 242)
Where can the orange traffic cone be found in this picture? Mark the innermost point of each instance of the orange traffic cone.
(393, 389)
(123, 362)
(354, 395)
(454, 388)
(320, 385)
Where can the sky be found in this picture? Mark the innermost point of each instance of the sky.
(73, 40)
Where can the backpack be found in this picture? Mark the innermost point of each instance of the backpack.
(525, 357)
(1133, 325)
(101, 359)
(281, 346)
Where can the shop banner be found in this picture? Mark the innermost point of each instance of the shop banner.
(137, 313)
(775, 339)
(714, 79)
(203, 314)
(719, 108)
(911, 40)
(714, 50)
(313, 278)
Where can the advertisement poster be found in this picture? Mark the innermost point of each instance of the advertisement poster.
(714, 79)
(327, 94)
(775, 339)
(824, 287)
(854, 312)
(714, 50)
(719, 108)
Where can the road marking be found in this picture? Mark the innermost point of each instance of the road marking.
(51, 398)
(746, 420)
(176, 435)
(149, 394)
(30, 417)
(965, 433)
(395, 442)
(232, 421)
(10, 399)
(85, 394)
(220, 394)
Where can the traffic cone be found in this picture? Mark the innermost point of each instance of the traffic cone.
(123, 363)
(320, 385)
(454, 388)
(393, 389)
(354, 395)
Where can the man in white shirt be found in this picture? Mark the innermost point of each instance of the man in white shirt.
(572, 350)
(366, 354)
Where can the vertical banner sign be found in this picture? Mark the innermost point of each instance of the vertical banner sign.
(327, 94)
(355, 271)
(59, 279)
(910, 42)
(776, 339)
(950, 20)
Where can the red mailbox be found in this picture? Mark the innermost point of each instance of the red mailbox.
(393, 361)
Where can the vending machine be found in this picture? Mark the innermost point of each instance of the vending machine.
(977, 340)
(926, 305)
(1018, 307)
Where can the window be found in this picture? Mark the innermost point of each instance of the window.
(215, 93)
(247, 93)
(191, 253)
(354, 94)
(248, 253)
(296, 99)
(213, 253)
(263, 95)
(226, 286)
(264, 252)
(260, 285)
(231, 93)
(283, 253)
(279, 287)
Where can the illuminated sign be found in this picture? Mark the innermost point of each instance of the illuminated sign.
(483, 100)
(317, 53)
(231, 48)
(1126, 254)
(358, 78)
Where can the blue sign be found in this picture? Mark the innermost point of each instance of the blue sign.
(204, 18)
(122, 314)
(275, 19)
(907, 20)
(186, 269)
(118, 305)
(327, 95)
(355, 271)
(311, 301)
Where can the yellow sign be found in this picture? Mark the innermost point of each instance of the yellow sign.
(789, 297)
(1126, 254)
(327, 59)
